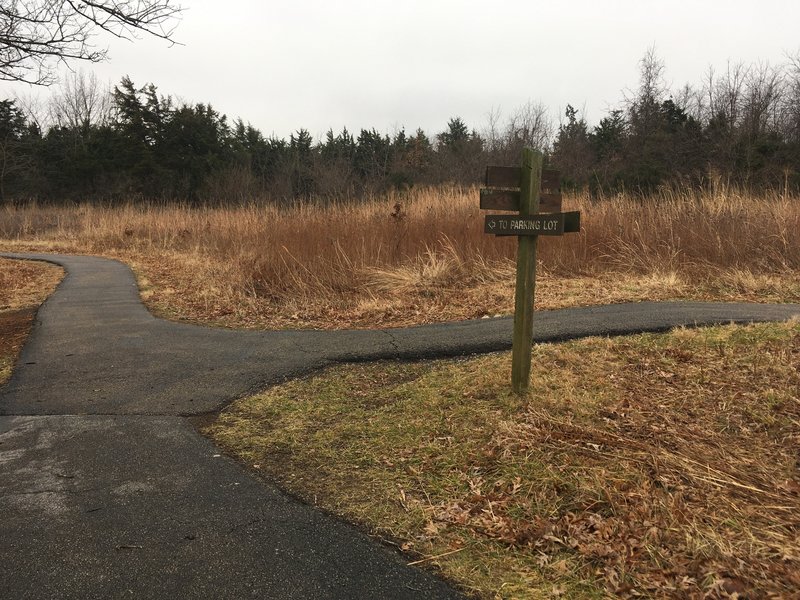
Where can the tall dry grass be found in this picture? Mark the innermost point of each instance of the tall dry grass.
(423, 240)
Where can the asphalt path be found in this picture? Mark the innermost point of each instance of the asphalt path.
(107, 491)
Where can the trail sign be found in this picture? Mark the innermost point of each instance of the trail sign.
(509, 200)
(511, 177)
(535, 194)
(539, 224)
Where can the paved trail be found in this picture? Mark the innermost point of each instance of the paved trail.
(107, 491)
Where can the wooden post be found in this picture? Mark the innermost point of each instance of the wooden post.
(530, 186)
(538, 190)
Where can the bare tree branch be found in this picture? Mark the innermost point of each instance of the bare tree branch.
(35, 35)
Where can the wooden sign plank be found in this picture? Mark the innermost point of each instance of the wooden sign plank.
(538, 224)
(510, 177)
(509, 200)
(503, 177)
(572, 221)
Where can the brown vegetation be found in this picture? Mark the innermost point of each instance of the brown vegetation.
(421, 256)
(23, 287)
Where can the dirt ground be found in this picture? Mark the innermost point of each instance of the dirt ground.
(24, 286)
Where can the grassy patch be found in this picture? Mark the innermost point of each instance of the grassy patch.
(651, 464)
(23, 287)
(421, 256)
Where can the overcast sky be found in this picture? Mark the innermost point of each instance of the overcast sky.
(414, 63)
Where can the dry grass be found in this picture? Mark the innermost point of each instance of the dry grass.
(23, 287)
(421, 256)
(652, 465)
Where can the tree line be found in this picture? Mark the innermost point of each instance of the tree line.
(741, 126)
(133, 143)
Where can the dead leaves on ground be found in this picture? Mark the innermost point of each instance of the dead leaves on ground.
(663, 493)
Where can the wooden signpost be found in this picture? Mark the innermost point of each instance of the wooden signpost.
(509, 197)
(536, 195)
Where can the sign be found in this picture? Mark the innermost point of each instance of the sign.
(509, 200)
(538, 224)
(535, 195)
(511, 177)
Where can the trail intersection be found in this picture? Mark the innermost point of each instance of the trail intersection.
(107, 491)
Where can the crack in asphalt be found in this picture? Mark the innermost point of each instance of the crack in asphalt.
(392, 341)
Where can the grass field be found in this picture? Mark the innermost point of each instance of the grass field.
(422, 256)
(654, 465)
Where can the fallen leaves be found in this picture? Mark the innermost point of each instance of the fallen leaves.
(654, 498)
(655, 466)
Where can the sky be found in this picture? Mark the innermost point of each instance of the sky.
(416, 63)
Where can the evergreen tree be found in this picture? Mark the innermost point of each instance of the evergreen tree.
(336, 168)
(193, 143)
(302, 163)
(372, 158)
(14, 151)
(400, 173)
(572, 151)
(608, 146)
(459, 153)
(455, 138)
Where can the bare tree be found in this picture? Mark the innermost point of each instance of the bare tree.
(491, 132)
(726, 93)
(792, 99)
(529, 126)
(692, 100)
(763, 99)
(81, 102)
(36, 110)
(37, 34)
(644, 107)
(652, 86)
